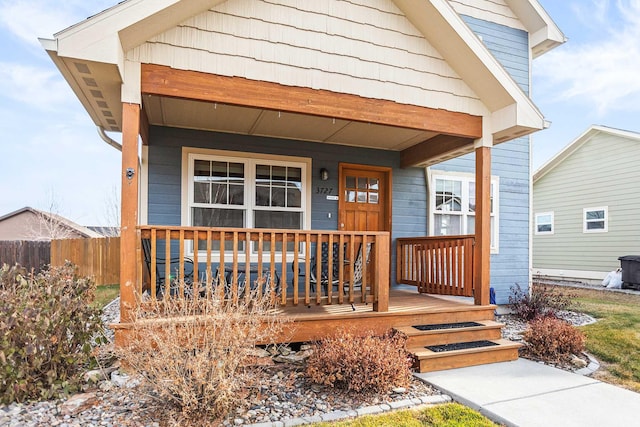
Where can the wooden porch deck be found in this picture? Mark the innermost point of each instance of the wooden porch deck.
(406, 308)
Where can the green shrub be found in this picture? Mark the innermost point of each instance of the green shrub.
(361, 362)
(541, 302)
(552, 339)
(47, 325)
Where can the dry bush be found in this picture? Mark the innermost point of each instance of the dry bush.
(47, 324)
(552, 339)
(191, 351)
(360, 362)
(542, 301)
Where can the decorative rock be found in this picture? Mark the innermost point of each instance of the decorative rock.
(399, 390)
(578, 362)
(305, 347)
(258, 352)
(123, 380)
(78, 403)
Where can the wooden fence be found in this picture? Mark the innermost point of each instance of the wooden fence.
(29, 254)
(99, 258)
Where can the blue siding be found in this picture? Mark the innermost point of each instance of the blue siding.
(510, 161)
(165, 162)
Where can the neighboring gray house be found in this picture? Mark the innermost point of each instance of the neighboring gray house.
(586, 204)
(33, 224)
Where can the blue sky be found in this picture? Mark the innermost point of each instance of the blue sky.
(50, 149)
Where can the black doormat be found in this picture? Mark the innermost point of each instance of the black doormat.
(446, 326)
(460, 346)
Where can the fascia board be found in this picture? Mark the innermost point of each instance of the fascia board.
(543, 31)
(469, 57)
(579, 141)
(106, 36)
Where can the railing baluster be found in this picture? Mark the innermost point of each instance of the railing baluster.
(209, 271)
(247, 267)
(307, 269)
(283, 269)
(341, 270)
(196, 275)
(318, 268)
(181, 262)
(296, 266)
(330, 270)
(222, 277)
(234, 285)
(154, 265)
(272, 267)
(259, 274)
(167, 264)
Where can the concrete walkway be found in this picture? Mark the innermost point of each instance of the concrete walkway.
(525, 393)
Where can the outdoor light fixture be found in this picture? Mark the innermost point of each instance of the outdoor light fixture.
(324, 174)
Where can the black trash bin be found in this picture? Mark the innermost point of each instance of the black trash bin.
(630, 265)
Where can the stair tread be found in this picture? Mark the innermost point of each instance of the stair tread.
(485, 324)
(425, 353)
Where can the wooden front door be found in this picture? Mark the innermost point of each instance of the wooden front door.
(365, 198)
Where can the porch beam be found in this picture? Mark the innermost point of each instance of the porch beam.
(482, 249)
(129, 209)
(165, 81)
(432, 148)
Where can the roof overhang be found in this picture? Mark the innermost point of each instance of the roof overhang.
(544, 34)
(90, 55)
(569, 149)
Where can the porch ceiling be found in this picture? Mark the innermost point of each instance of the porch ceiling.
(194, 114)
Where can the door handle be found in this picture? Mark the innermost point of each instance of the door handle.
(342, 225)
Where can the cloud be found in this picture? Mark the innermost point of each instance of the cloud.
(30, 19)
(37, 87)
(602, 72)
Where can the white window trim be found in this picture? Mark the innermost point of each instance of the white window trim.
(605, 219)
(189, 153)
(432, 175)
(536, 223)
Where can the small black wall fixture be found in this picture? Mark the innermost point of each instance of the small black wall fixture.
(324, 174)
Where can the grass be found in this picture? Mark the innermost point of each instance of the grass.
(105, 294)
(449, 415)
(615, 339)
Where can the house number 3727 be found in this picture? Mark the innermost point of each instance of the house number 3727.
(324, 190)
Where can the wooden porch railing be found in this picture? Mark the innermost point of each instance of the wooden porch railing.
(440, 265)
(277, 261)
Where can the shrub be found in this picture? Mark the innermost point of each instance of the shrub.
(541, 302)
(47, 324)
(191, 351)
(552, 339)
(360, 362)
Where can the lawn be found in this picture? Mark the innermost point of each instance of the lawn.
(449, 415)
(615, 338)
(106, 293)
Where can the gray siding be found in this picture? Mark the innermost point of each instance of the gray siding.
(601, 172)
(165, 159)
(510, 161)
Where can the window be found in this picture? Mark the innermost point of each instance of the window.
(453, 204)
(544, 223)
(595, 220)
(243, 192)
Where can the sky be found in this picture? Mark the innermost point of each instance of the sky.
(51, 154)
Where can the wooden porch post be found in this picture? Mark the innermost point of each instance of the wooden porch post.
(482, 250)
(129, 209)
(382, 259)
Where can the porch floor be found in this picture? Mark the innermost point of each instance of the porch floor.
(406, 308)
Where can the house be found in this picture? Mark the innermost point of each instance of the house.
(34, 224)
(361, 133)
(585, 206)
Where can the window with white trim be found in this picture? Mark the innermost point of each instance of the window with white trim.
(595, 220)
(453, 204)
(544, 223)
(245, 192)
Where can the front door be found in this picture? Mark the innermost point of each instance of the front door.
(365, 198)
